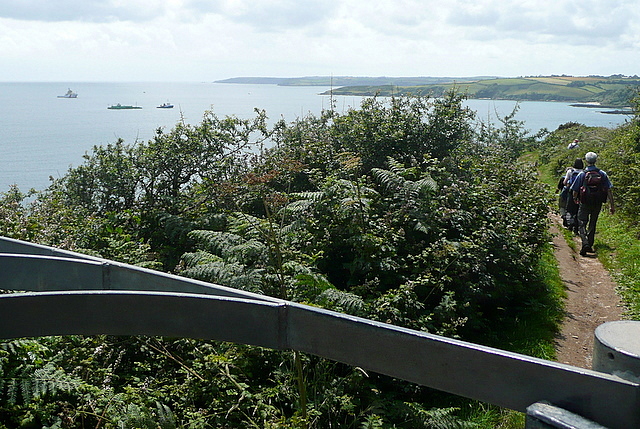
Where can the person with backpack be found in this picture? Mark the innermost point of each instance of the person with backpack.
(571, 208)
(562, 200)
(591, 188)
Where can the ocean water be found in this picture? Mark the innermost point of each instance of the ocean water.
(42, 136)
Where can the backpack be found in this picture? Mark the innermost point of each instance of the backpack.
(593, 190)
(566, 190)
(574, 174)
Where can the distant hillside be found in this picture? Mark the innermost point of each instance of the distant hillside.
(612, 91)
(340, 81)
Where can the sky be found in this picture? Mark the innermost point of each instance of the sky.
(208, 40)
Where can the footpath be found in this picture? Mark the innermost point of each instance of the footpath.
(591, 300)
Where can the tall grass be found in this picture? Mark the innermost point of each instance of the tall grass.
(618, 248)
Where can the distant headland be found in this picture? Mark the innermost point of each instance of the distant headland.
(341, 81)
(611, 91)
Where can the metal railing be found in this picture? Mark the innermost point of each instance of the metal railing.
(96, 296)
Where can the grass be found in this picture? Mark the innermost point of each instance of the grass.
(618, 248)
(569, 238)
(552, 80)
(539, 332)
(487, 416)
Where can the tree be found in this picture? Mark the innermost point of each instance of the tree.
(108, 180)
(406, 130)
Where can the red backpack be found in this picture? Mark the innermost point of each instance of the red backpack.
(593, 190)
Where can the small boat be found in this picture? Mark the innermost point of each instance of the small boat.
(69, 94)
(165, 106)
(123, 107)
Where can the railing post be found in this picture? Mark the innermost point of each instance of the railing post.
(542, 415)
(616, 349)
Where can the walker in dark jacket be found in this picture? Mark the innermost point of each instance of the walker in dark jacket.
(588, 212)
(571, 207)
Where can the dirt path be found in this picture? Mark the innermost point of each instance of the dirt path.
(591, 300)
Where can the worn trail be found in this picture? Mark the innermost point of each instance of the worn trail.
(591, 300)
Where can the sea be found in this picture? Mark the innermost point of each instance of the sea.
(42, 135)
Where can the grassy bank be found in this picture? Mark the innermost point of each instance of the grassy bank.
(619, 250)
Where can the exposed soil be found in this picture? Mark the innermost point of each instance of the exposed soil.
(591, 299)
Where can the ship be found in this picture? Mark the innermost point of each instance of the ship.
(123, 107)
(69, 94)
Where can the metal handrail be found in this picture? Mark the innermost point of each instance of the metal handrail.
(89, 297)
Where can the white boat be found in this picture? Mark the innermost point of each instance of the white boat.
(69, 94)
(165, 106)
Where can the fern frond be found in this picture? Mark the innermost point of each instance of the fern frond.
(300, 206)
(214, 272)
(389, 180)
(350, 302)
(225, 245)
(438, 418)
(250, 252)
(250, 281)
(166, 418)
(421, 227)
(293, 226)
(12, 391)
(306, 277)
(49, 379)
(20, 345)
(427, 184)
(312, 196)
(233, 275)
(248, 226)
(199, 257)
(31, 384)
(395, 167)
(216, 242)
(392, 181)
(135, 417)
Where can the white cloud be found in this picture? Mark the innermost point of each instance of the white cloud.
(565, 22)
(81, 10)
(276, 15)
(214, 39)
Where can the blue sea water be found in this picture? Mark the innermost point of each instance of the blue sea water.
(42, 136)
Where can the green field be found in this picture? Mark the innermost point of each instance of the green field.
(611, 91)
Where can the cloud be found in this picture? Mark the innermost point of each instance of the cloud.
(263, 16)
(566, 22)
(81, 10)
(215, 39)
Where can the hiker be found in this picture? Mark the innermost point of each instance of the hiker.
(562, 200)
(591, 189)
(574, 144)
(571, 208)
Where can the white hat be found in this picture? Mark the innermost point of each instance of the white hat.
(591, 157)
